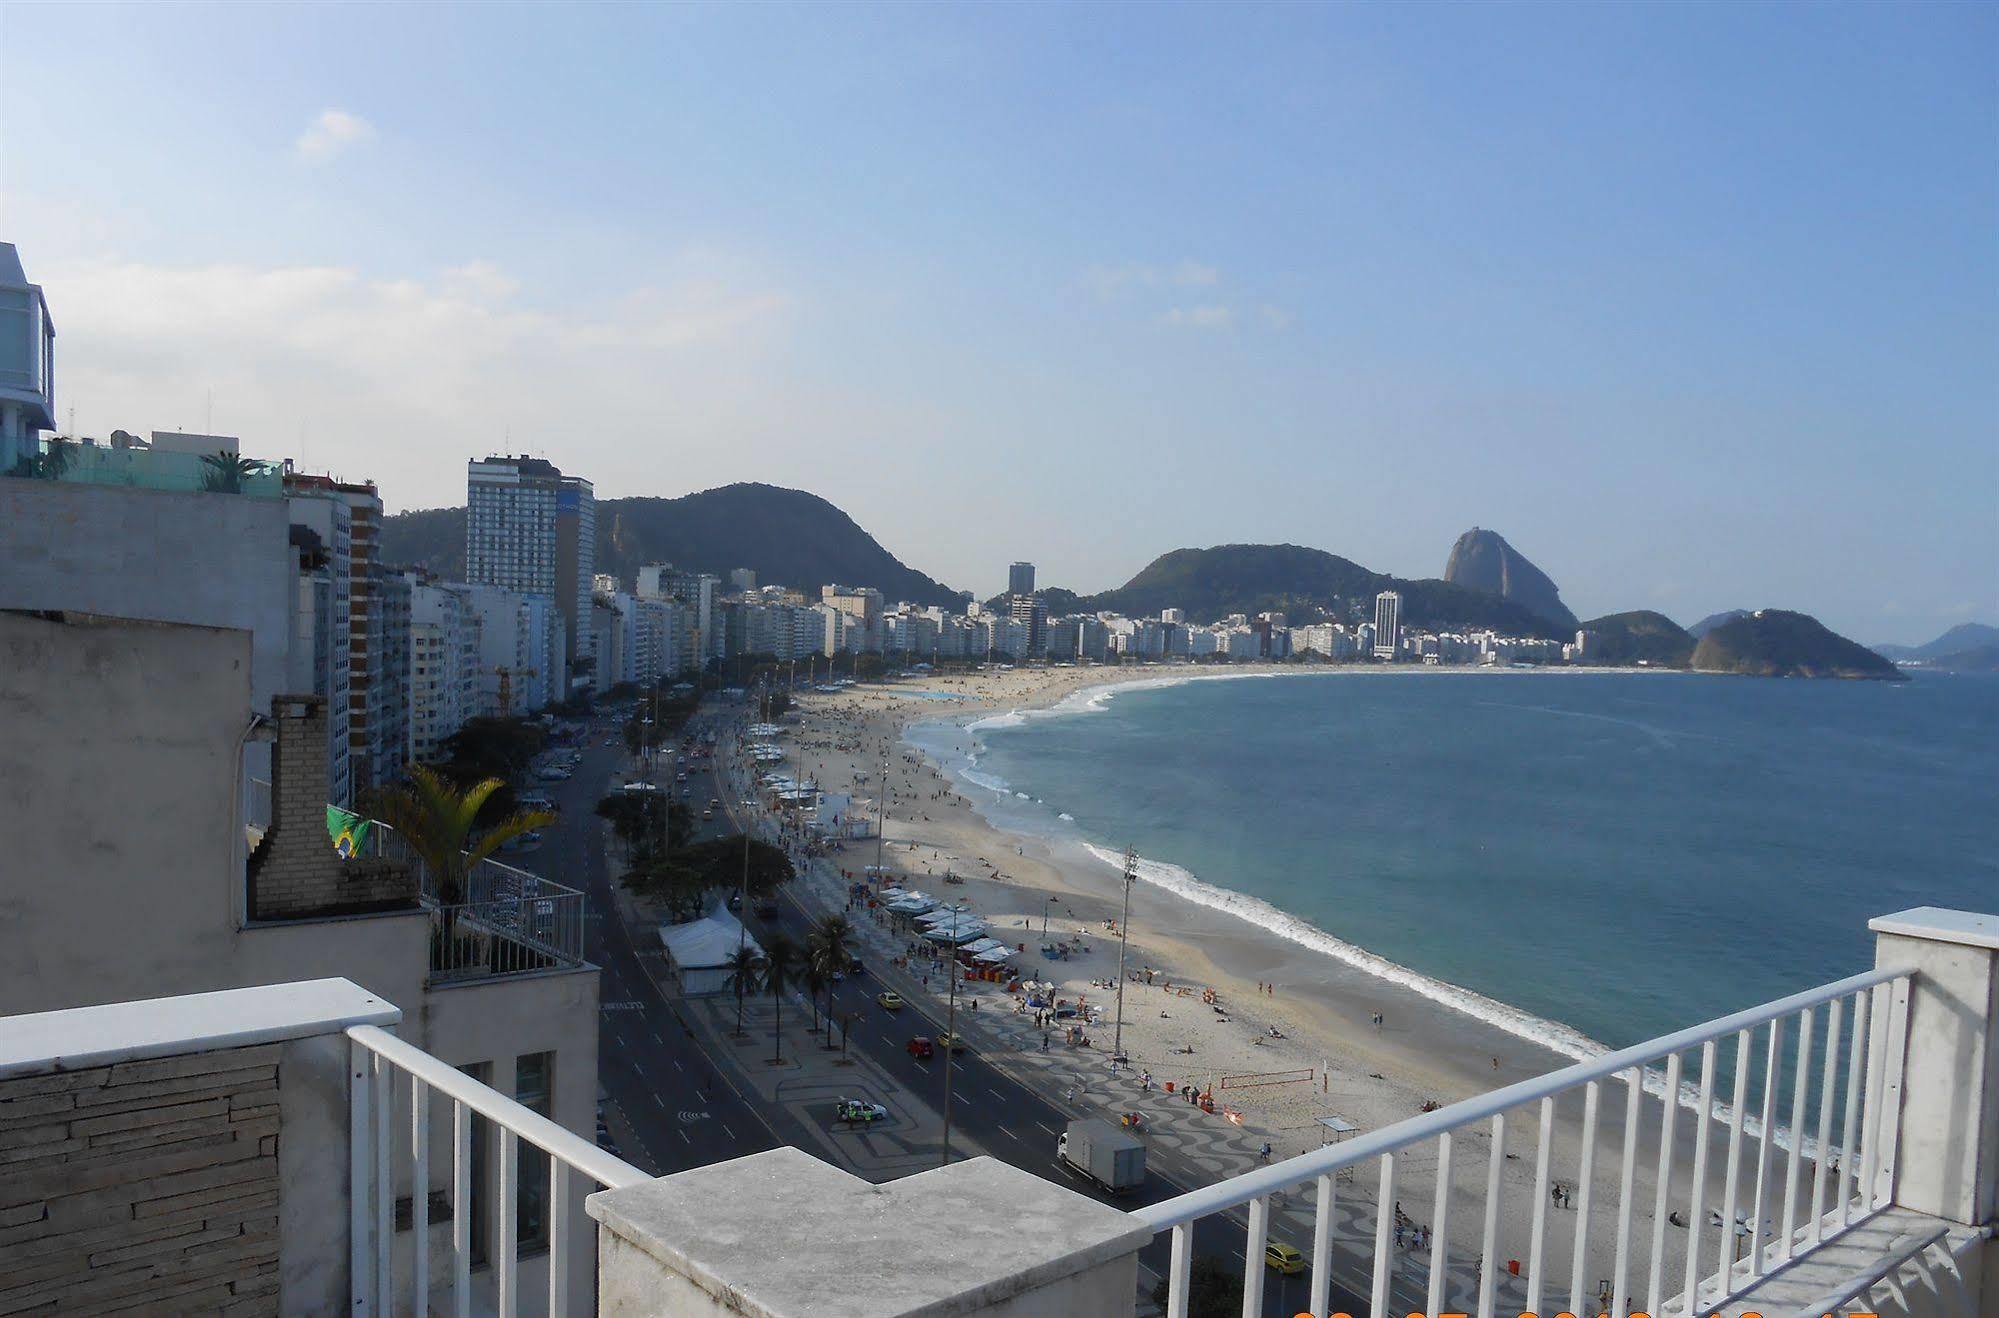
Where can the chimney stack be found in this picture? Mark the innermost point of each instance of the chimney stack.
(295, 873)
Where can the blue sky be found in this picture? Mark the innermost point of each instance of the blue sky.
(1697, 304)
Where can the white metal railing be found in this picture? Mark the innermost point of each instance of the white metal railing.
(375, 1059)
(1856, 1028)
(507, 921)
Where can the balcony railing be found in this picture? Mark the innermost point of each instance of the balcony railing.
(79, 463)
(391, 1086)
(506, 922)
(1827, 1110)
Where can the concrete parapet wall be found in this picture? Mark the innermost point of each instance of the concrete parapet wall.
(147, 1185)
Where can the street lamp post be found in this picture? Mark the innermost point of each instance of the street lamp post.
(1124, 921)
(951, 1034)
(1044, 913)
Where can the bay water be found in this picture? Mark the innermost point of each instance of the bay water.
(1613, 855)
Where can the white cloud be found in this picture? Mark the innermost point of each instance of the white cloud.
(400, 380)
(1203, 318)
(331, 133)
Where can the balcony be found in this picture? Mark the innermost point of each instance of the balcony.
(508, 922)
(1833, 1151)
(80, 462)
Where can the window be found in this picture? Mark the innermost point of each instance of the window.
(534, 1089)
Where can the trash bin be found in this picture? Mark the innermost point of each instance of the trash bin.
(1169, 1086)
(1513, 1266)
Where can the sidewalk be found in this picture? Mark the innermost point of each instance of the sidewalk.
(1185, 1143)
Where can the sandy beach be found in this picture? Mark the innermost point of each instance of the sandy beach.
(1293, 1035)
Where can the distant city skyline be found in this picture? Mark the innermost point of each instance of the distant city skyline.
(1695, 305)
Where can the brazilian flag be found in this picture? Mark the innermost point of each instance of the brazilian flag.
(348, 830)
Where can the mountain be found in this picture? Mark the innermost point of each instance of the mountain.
(1778, 643)
(1978, 659)
(1640, 636)
(1714, 620)
(1964, 637)
(788, 537)
(1482, 560)
(1213, 583)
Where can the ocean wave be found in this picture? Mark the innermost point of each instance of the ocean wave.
(1552, 1035)
(1013, 718)
(1066, 817)
(991, 782)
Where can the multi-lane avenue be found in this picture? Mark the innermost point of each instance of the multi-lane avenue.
(670, 1107)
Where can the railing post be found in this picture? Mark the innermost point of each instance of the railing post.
(1943, 1134)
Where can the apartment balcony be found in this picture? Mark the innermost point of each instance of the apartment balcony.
(280, 1149)
(81, 462)
(506, 921)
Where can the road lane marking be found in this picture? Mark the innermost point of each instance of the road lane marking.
(731, 1133)
(1044, 1126)
(1002, 1130)
(638, 1070)
(662, 1102)
(995, 1093)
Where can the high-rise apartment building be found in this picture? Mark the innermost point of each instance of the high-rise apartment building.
(1031, 612)
(576, 569)
(1020, 579)
(443, 667)
(1387, 624)
(27, 363)
(532, 530)
(376, 721)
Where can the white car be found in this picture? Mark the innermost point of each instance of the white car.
(856, 1111)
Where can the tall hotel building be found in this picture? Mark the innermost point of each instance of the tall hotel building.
(530, 529)
(1387, 624)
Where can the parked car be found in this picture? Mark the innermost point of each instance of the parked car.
(858, 1111)
(890, 1001)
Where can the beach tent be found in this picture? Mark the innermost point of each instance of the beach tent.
(955, 934)
(914, 904)
(995, 957)
(989, 945)
(698, 953)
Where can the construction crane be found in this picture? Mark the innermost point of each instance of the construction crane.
(507, 676)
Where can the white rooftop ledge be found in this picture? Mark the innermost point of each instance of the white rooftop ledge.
(197, 1022)
(783, 1235)
(1942, 925)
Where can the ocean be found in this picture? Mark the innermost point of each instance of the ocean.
(1596, 858)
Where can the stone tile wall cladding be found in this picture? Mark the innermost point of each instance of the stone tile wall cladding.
(295, 872)
(142, 1187)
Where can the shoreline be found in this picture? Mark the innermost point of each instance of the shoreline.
(1291, 1037)
(1438, 1039)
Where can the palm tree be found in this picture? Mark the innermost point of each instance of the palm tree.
(781, 961)
(746, 975)
(815, 980)
(435, 817)
(829, 946)
(227, 472)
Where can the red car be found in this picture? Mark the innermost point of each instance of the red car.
(921, 1046)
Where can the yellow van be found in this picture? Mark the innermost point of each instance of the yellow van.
(1282, 1258)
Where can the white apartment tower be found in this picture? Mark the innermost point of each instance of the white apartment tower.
(1387, 624)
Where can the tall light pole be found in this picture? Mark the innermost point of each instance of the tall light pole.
(1124, 920)
(951, 1047)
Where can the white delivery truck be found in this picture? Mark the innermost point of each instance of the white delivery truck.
(1103, 1153)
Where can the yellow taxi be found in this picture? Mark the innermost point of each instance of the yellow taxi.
(953, 1042)
(1282, 1258)
(889, 1001)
